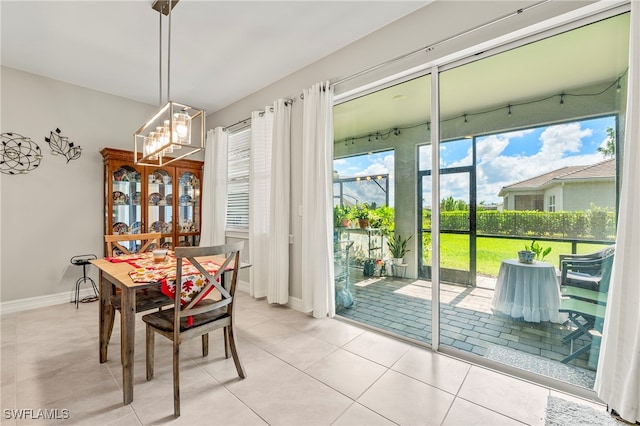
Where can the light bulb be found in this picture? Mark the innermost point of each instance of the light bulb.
(182, 127)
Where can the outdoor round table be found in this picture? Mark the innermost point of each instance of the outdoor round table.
(527, 290)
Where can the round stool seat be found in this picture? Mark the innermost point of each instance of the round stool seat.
(84, 260)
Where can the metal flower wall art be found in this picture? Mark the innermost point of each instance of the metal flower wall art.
(18, 154)
(60, 145)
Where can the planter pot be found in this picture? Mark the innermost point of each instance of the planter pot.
(369, 268)
(398, 260)
(364, 223)
(345, 223)
(525, 256)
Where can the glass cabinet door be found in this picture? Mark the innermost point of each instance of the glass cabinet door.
(126, 213)
(188, 209)
(160, 204)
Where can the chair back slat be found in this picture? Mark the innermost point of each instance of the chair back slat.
(596, 271)
(145, 239)
(230, 253)
(204, 309)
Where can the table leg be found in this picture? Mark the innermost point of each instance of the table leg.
(127, 333)
(106, 315)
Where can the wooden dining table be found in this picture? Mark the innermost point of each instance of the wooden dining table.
(117, 274)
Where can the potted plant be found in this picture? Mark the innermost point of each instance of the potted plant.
(398, 248)
(532, 252)
(361, 214)
(341, 216)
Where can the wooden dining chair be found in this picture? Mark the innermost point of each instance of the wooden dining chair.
(146, 298)
(148, 242)
(200, 315)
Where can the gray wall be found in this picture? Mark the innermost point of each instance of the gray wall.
(56, 211)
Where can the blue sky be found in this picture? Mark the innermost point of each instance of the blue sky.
(502, 159)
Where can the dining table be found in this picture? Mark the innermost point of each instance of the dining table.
(125, 276)
(528, 290)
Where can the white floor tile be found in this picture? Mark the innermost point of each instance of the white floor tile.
(435, 369)
(300, 370)
(465, 413)
(378, 348)
(358, 415)
(347, 373)
(407, 401)
(301, 400)
(514, 398)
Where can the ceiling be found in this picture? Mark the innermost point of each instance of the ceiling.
(589, 55)
(221, 51)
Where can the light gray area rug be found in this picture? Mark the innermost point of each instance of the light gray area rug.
(539, 365)
(561, 412)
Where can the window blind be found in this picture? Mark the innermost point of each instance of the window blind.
(238, 180)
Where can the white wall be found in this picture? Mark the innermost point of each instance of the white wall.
(428, 25)
(56, 211)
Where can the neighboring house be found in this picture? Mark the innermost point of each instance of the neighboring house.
(570, 188)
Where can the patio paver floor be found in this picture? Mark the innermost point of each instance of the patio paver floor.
(403, 307)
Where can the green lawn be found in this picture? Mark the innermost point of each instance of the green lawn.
(454, 252)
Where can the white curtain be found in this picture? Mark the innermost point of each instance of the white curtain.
(317, 201)
(269, 183)
(618, 377)
(214, 189)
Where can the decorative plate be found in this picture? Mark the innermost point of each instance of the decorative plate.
(185, 199)
(159, 176)
(121, 175)
(155, 198)
(120, 228)
(136, 227)
(158, 226)
(120, 197)
(169, 198)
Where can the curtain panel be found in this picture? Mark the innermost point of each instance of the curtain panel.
(618, 376)
(317, 201)
(214, 189)
(269, 201)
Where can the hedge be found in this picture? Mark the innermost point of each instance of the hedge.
(596, 223)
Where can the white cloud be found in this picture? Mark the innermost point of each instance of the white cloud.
(560, 143)
(561, 139)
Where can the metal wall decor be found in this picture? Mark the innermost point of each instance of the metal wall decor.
(60, 145)
(18, 154)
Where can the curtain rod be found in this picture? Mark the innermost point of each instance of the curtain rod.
(431, 47)
(247, 120)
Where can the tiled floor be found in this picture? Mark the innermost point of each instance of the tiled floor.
(300, 371)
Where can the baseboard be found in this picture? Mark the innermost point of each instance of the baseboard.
(296, 304)
(21, 305)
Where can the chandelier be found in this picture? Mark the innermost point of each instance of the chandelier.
(167, 136)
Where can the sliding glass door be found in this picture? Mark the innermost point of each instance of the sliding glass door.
(529, 147)
(542, 148)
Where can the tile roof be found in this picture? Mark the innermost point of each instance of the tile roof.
(603, 170)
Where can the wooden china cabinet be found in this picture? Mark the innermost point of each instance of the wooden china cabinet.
(140, 199)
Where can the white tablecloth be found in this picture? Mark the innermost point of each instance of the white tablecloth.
(528, 291)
